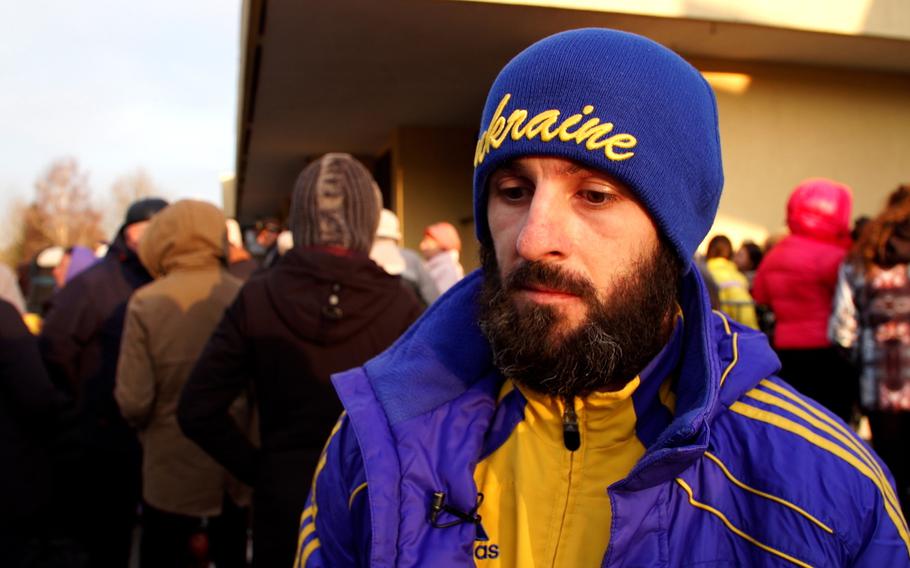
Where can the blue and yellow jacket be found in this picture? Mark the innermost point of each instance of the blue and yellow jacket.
(740, 470)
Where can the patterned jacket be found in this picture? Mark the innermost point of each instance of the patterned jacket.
(871, 317)
(747, 473)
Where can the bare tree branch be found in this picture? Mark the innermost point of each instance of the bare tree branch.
(62, 212)
(128, 188)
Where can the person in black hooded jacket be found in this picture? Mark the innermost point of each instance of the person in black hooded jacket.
(325, 307)
(80, 344)
(29, 411)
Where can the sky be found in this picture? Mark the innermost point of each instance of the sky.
(119, 85)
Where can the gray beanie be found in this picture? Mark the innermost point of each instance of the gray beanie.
(335, 203)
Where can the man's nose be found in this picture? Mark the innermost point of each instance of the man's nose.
(544, 234)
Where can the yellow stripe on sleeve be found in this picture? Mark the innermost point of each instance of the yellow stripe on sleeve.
(841, 436)
(776, 499)
(735, 530)
(307, 531)
(307, 552)
(322, 460)
(840, 427)
(788, 425)
(304, 552)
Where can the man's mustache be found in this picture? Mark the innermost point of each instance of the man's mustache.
(530, 274)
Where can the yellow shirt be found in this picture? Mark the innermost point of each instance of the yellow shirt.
(545, 505)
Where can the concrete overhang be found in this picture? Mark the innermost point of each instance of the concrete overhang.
(343, 74)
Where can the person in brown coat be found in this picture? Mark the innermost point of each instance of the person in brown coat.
(323, 308)
(167, 325)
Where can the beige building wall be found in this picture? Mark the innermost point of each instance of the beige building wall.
(432, 181)
(229, 195)
(780, 125)
(880, 18)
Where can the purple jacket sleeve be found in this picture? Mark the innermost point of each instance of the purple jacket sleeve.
(335, 525)
(883, 544)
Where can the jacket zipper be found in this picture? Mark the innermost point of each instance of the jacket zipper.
(571, 436)
(572, 439)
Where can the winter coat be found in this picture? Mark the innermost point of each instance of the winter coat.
(417, 274)
(797, 277)
(167, 325)
(243, 269)
(745, 472)
(80, 343)
(29, 408)
(408, 264)
(871, 318)
(313, 314)
(733, 291)
(445, 270)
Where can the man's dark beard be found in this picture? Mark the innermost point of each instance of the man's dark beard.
(617, 339)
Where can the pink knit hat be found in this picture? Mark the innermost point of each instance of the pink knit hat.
(445, 234)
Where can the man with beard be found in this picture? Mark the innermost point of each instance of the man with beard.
(577, 402)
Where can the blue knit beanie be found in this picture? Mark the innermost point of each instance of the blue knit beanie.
(616, 102)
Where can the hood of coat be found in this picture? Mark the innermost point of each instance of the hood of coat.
(328, 295)
(820, 209)
(186, 235)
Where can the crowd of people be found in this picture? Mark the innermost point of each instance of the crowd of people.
(574, 402)
(181, 385)
(832, 299)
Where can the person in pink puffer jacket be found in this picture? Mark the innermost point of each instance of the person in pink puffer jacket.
(797, 280)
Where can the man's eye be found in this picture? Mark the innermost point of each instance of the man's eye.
(513, 193)
(595, 197)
